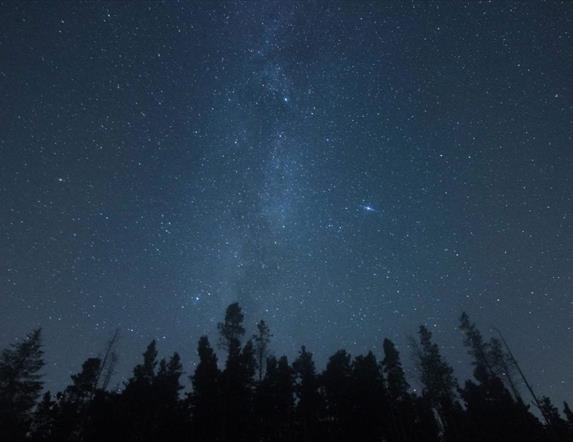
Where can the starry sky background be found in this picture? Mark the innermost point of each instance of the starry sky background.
(345, 170)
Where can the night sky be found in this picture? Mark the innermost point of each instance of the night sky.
(345, 170)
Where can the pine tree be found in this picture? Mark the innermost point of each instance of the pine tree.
(231, 330)
(502, 366)
(45, 418)
(439, 384)
(284, 393)
(493, 414)
(274, 401)
(369, 397)
(20, 385)
(238, 375)
(167, 379)
(437, 376)
(396, 383)
(206, 394)
(337, 383)
(137, 399)
(72, 405)
(168, 410)
(401, 408)
(477, 348)
(568, 413)
(309, 402)
(261, 340)
(558, 426)
(144, 373)
(84, 383)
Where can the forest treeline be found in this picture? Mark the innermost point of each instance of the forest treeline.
(255, 396)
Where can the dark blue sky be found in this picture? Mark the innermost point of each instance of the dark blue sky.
(345, 170)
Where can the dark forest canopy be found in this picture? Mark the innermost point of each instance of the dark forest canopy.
(255, 396)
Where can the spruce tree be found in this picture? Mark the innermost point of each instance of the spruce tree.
(370, 410)
(401, 408)
(138, 398)
(568, 413)
(477, 348)
(20, 385)
(396, 383)
(437, 376)
(231, 330)
(502, 366)
(261, 341)
(336, 381)
(307, 391)
(206, 394)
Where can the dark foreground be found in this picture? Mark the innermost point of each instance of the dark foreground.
(254, 396)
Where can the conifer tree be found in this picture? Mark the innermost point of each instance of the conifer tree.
(568, 413)
(167, 379)
(144, 373)
(437, 376)
(206, 394)
(337, 383)
(309, 402)
(477, 348)
(558, 426)
(502, 366)
(396, 383)
(439, 384)
(84, 383)
(261, 340)
(401, 408)
(137, 398)
(20, 385)
(237, 377)
(45, 419)
(274, 401)
(369, 397)
(231, 330)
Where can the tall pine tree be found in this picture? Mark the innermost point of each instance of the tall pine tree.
(20, 385)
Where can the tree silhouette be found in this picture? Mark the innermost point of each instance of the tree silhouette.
(351, 399)
(169, 411)
(138, 406)
(20, 385)
(401, 407)
(495, 415)
(231, 330)
(370, 407)
(72, 405)
(44, 420)
(477, 348)
(274, 401)
(502, 366)
(337, 383)
(237, 377)
(206, 395)
(568, 413)
(306, 389)
(396, 383)
(84, 383)
(261, 341)
(144, 373)
(439, 384)
(559, 426)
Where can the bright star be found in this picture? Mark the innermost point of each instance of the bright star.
(368, 208)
